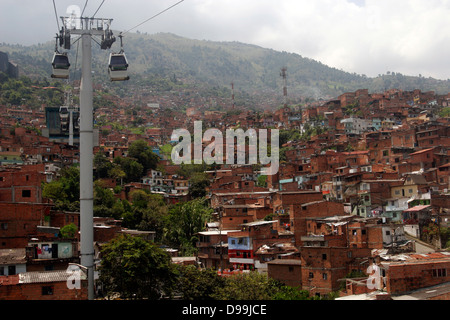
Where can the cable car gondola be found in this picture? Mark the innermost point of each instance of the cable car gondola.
(60, 66)
(118, 67)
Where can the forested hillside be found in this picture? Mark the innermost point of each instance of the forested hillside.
(162, 59)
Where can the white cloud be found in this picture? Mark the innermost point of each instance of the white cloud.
(363, 36)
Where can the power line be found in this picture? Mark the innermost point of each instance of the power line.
(98, 9)
(154, 16)
(56, 14)
(85, 4)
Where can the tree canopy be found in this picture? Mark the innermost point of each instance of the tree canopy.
(135, 268)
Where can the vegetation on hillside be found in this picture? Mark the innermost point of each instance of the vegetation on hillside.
(165, 62)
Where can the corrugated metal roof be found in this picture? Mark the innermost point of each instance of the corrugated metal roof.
(417, 208)
(47, 276)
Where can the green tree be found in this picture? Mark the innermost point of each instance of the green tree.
(153, 216)
(117, 173)
(184, 221)
(135, 268)
(198, 284)
(102, 165)
(69, 231)
(262, 181)
(133, 170)
(198, 183)
(247, 286)
(64, 192)
(104, 200)
(141, 151)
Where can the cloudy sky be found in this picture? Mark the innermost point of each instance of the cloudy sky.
(367, 37)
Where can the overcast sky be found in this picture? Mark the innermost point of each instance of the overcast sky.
(367, 37)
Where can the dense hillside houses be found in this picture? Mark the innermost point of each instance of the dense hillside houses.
(362, 179)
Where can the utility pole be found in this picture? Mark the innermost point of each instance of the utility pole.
(232, 95)
(85, 28)
(283, 74)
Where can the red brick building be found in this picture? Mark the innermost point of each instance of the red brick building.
(47, 285)
(18, 221)
(417, 271)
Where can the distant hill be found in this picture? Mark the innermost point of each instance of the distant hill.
(252, 69)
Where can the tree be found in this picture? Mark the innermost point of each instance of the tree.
(104, 200)
(102, 165)
(68, 231)
(184, 221)
(64, 192)
(197, 284)
(198, 183)
(247, 286)
(262, 181)
(141, 151)
(117, 173)
(133, 170)
(135, 268)
(153, 215)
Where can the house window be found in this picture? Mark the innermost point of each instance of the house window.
(4, 226)
(47, 290)
(324, 256)
(291, 269)
(324, 276)
(11, 270)
(26, 193)
(311, 275)
(438, 273)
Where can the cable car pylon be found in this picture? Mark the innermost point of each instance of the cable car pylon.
(84, 27)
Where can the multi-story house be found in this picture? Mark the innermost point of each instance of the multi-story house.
(243, 244)
(333, 247)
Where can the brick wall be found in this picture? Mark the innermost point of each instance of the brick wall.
(285, 271)
(322, 267)
(401, 278)
(299, 214)
(35, 291)
(19, 220)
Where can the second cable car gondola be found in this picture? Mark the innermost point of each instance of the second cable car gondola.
(60, 66)
(118, 67)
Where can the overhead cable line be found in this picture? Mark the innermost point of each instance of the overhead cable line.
(85, 4)
(56, 14)
(154, 16)
(97, 9)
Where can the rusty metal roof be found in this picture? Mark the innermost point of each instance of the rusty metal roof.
(12, 256)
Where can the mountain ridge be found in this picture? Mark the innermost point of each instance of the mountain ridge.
(253, 69)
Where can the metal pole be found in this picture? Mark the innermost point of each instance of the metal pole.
(70, 126)
(86, 163)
